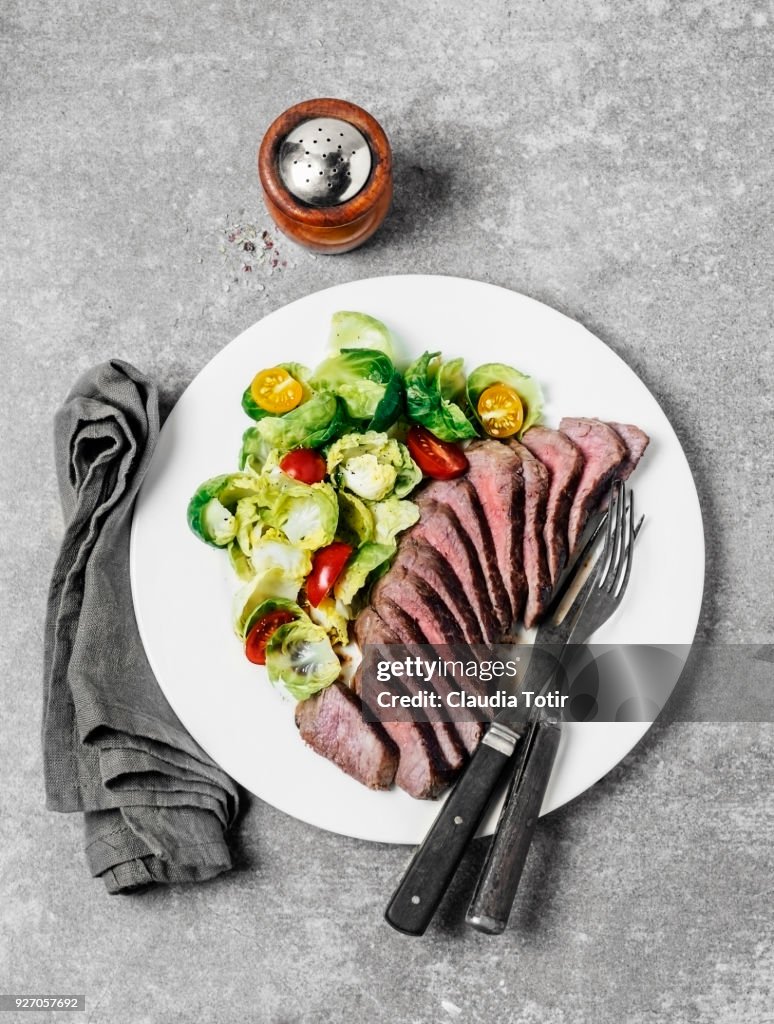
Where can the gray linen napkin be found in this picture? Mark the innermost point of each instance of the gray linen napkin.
(156, 807)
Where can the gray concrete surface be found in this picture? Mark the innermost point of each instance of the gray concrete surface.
(613, 160)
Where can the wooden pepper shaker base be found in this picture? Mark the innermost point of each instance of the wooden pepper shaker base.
(327, 229)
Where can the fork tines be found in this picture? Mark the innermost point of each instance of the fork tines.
(616, 558)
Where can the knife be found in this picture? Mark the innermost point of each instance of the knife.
(435, 861)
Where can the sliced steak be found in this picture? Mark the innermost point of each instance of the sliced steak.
(448, 738)
(417, 613)
(442, 530)
(421, 602)
(564, 463)
(417, 556)
(462, 498)
(422, 770)
(469, 729)
(421, 613)
(402, 629)
(400, 625)
(536, 484)
(604, 453)
(332, 723)
(636, 442)
(371, 629)
(495, 473)
(405, 627)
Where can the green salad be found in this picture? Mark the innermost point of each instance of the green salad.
(323, 488)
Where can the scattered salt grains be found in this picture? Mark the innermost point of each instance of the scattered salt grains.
(451, 1008)
(248, 249)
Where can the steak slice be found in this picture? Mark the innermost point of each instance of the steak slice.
(332, 723)
(636, 442)
(462, 498)
(400, 627)
(422, 770)
(538, 574)
(417, 556)
(449, 741)
(604, 453)
(370, 628)
(495, 473)
(564, 463)
(421, 601)
(403, 630)
(418, 615)
(442, 530)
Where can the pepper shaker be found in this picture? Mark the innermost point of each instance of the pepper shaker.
(325, 168)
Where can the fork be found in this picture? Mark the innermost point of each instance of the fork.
(604, 589)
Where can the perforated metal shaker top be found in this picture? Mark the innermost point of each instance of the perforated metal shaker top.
(324, 161)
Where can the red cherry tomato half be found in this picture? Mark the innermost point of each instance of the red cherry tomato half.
(304, 464)
(326, 569)
(260, 634)
(441, 460)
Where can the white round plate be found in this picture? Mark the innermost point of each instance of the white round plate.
(182, 589)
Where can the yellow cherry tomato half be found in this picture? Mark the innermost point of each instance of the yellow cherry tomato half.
(501, 411)
(276, 391)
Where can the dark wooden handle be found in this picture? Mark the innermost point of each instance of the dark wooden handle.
(433, 865)
(491, 905)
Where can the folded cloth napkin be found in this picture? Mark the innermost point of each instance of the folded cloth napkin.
(156, 807)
